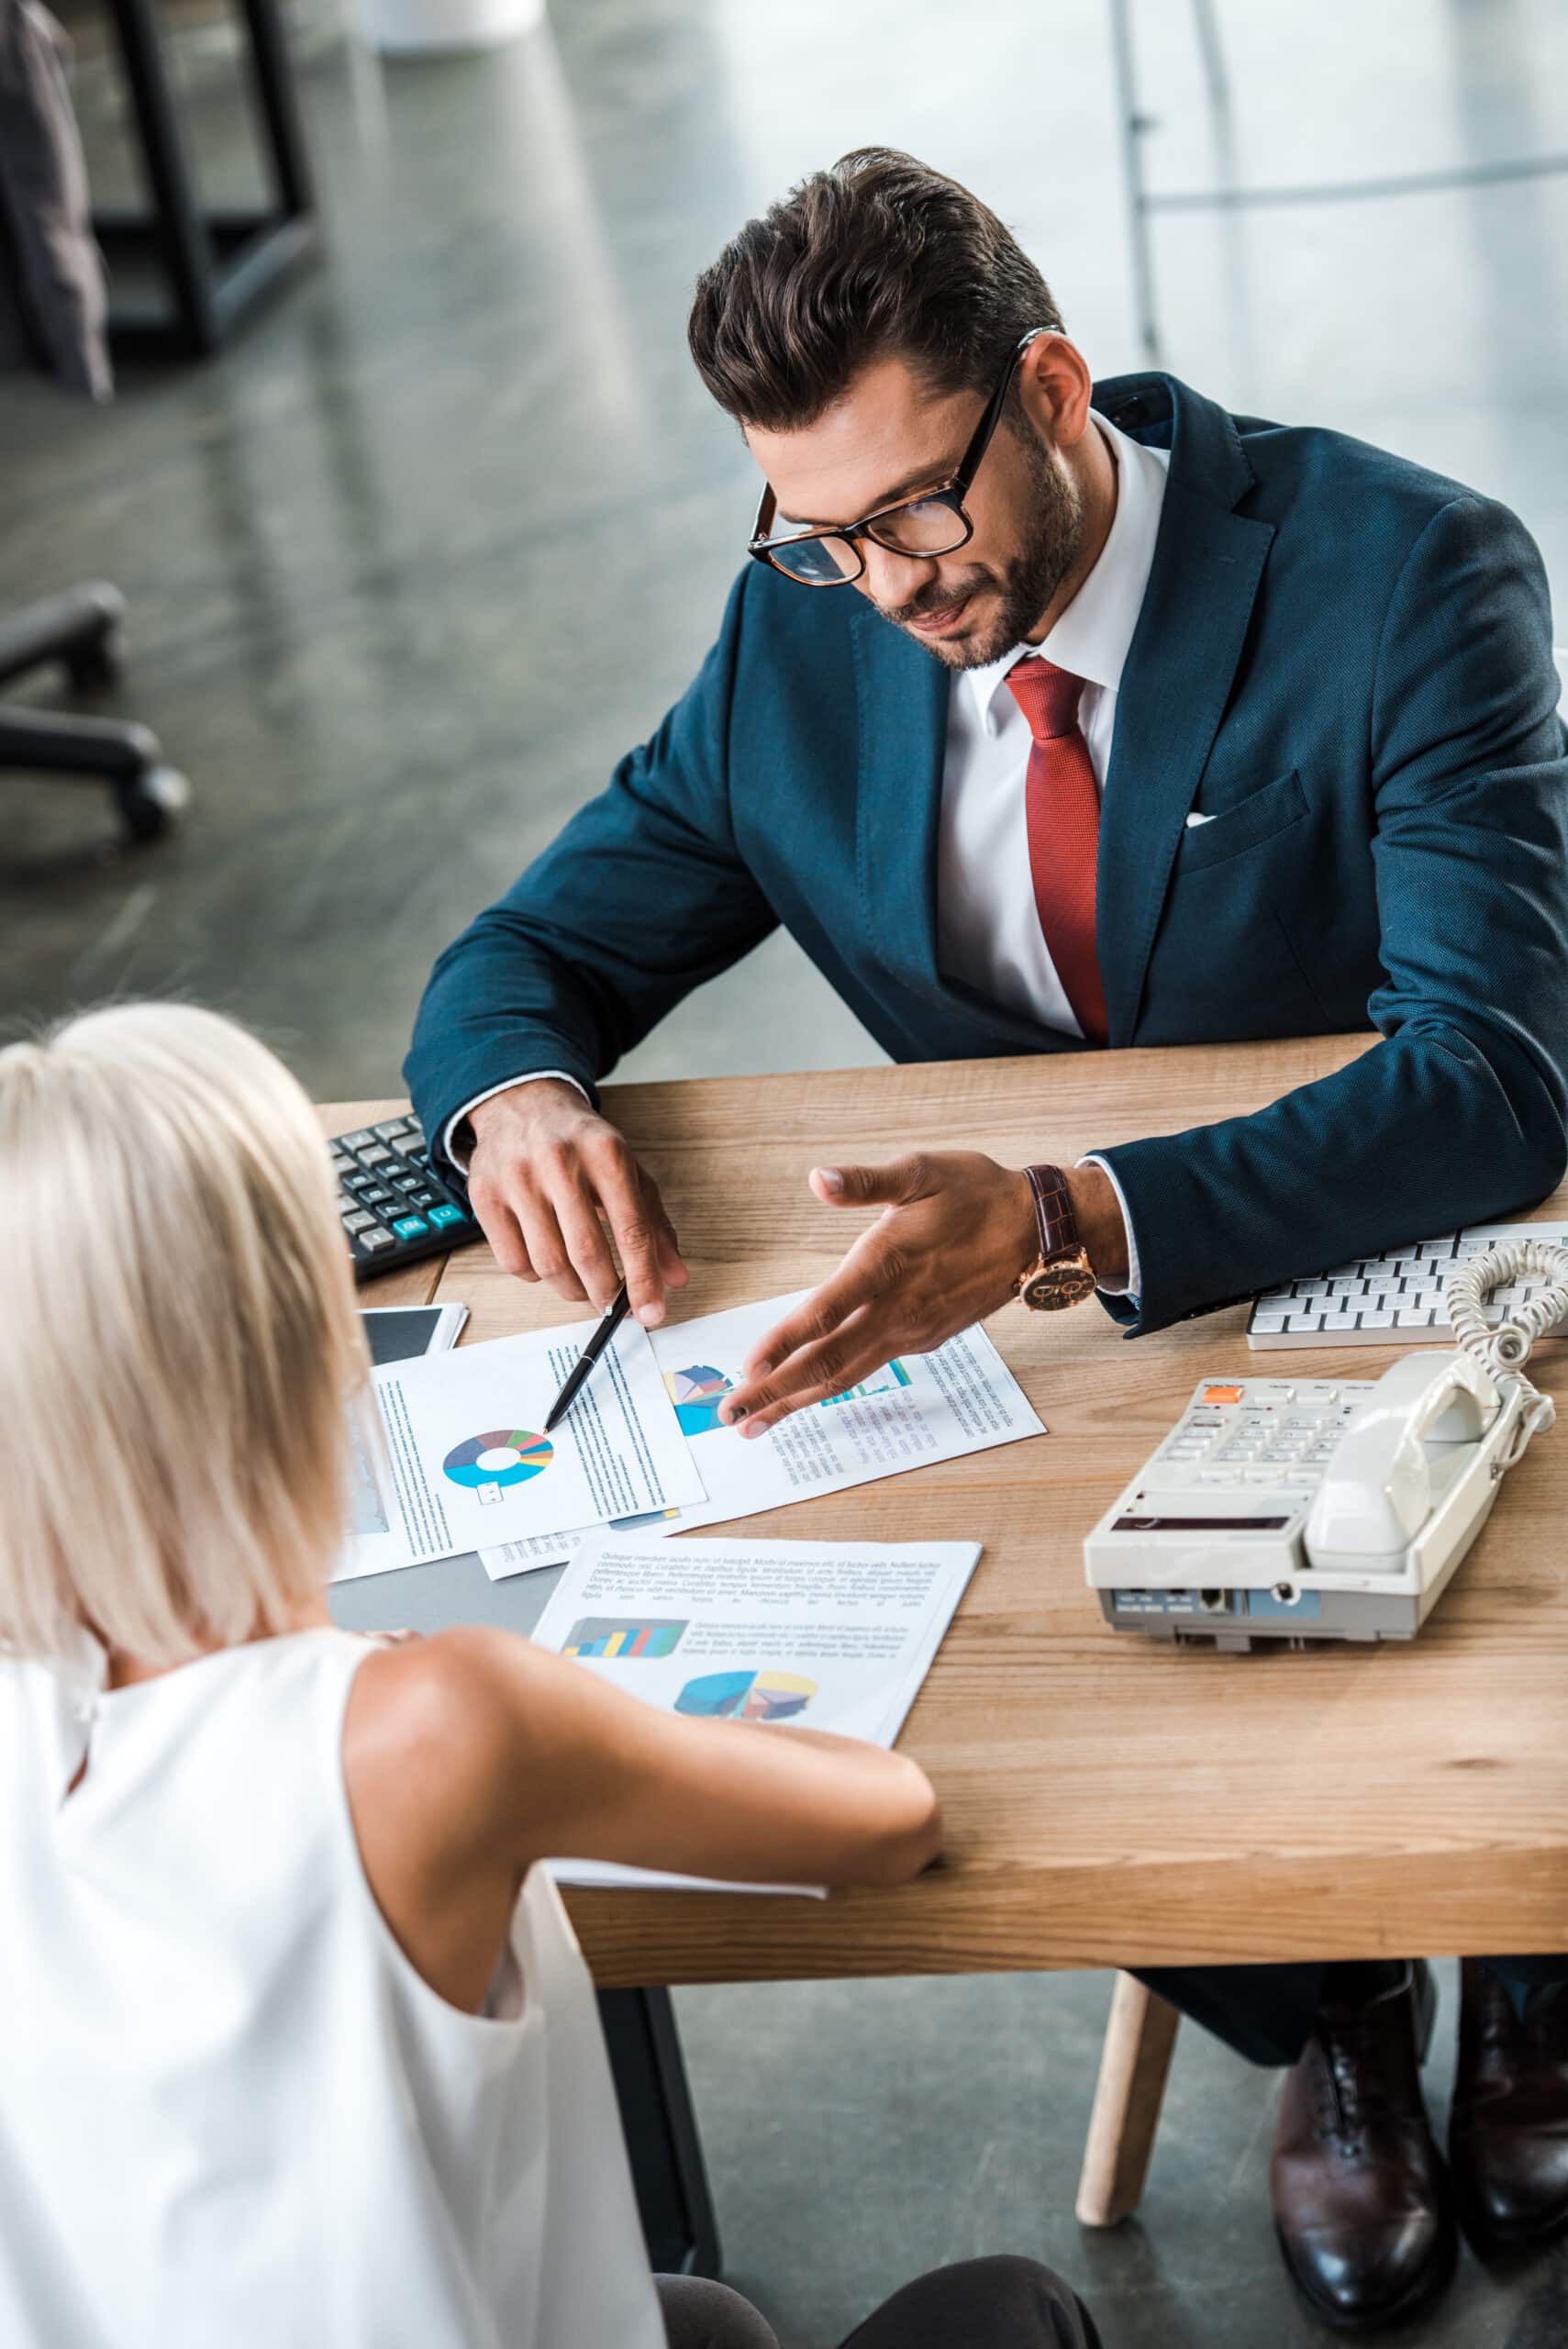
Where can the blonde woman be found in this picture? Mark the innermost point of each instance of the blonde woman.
(296, 2047)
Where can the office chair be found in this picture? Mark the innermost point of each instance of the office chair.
(81, 629)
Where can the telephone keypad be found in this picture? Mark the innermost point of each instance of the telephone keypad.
(1255, 1431)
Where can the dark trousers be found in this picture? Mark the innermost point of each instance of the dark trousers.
(1265, 2011)
(980, 2304)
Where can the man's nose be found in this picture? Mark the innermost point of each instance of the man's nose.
(891, 579)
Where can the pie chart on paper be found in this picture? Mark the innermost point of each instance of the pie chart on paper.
(502, 1456)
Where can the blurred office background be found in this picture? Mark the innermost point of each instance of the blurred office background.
(448, 524)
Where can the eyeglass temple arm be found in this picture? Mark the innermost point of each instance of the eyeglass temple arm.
(969, 463)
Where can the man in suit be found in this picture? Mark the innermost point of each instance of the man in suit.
(1139, 723)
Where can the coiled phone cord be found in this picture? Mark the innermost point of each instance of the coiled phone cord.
(1504, 1348)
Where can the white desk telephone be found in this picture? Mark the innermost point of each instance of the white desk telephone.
(1311, 1508)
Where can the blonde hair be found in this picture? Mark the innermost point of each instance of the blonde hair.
(178, 1339)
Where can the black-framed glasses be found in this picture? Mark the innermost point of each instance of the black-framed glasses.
(934, 523)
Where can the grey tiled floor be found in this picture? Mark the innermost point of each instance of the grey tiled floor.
(415, 561)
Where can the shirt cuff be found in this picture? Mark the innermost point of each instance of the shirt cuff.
(509, 1084)
(1133, 1285)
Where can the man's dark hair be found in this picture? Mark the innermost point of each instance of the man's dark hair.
(878, 256)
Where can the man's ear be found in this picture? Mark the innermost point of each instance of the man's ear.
(1055, 384)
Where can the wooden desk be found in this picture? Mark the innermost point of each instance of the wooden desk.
(1109, 1801)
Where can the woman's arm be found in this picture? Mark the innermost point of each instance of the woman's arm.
(471, 1755)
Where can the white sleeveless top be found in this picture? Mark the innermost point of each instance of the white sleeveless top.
(232, 2116)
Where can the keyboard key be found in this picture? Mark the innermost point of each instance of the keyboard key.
(1303, 1321)
(373, 1243)
(1413, 1317)
(411, 1226)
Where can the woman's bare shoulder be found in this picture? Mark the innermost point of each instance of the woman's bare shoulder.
(439, 1725)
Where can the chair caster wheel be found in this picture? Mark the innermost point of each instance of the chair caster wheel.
(152, 805)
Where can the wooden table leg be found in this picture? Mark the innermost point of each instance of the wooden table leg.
(1140, 2036)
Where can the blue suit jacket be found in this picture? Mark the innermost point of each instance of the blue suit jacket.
(1343, 659)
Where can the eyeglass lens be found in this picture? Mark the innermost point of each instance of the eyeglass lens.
(924, 527)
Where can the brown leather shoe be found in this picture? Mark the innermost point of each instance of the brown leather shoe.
(1508, 2132)
(1362, 2203)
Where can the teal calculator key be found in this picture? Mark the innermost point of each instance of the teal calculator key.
(410, 1227)
(442, 1215)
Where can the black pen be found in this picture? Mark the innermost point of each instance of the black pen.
(613, 1314)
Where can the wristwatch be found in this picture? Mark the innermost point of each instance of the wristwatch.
(1061, 1274)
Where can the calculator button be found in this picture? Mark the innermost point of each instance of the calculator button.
(404, 1182)
(378, 1196)
(442, 1216)
(390, 1130)
(356, 1141)
(373, 1242)
(376, 1153)
(358, 1222)
(411, 1226)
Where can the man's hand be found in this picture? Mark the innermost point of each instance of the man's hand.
(546, 1175)
(956, 1231)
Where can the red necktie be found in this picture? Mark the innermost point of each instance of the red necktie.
(1062, 811)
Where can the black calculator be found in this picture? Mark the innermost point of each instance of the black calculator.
(396, 1207)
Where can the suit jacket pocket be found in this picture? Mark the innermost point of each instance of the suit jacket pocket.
(1254, 819)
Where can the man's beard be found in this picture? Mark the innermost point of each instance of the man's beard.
(1053, 534)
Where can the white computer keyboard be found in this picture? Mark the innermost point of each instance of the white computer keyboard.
(1393, 1300)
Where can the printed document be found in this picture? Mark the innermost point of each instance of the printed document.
(940, 1405)
(836, 1635)
(465, 1461)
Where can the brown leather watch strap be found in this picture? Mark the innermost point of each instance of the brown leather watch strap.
(1059, 1234)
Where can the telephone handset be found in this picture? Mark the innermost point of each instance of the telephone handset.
(1423, 1443)
(1303, 1510)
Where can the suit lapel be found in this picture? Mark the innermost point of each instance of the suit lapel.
(901, 713)
(1197, 607)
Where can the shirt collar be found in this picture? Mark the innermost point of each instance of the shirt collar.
(1093, 635)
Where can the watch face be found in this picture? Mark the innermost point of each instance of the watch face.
(1053, 1286)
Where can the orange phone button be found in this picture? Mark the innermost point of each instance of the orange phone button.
(1222, 1394)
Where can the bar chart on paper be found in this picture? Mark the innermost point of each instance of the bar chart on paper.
(597, 1636)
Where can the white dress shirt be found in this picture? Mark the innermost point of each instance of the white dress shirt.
(988, 931)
